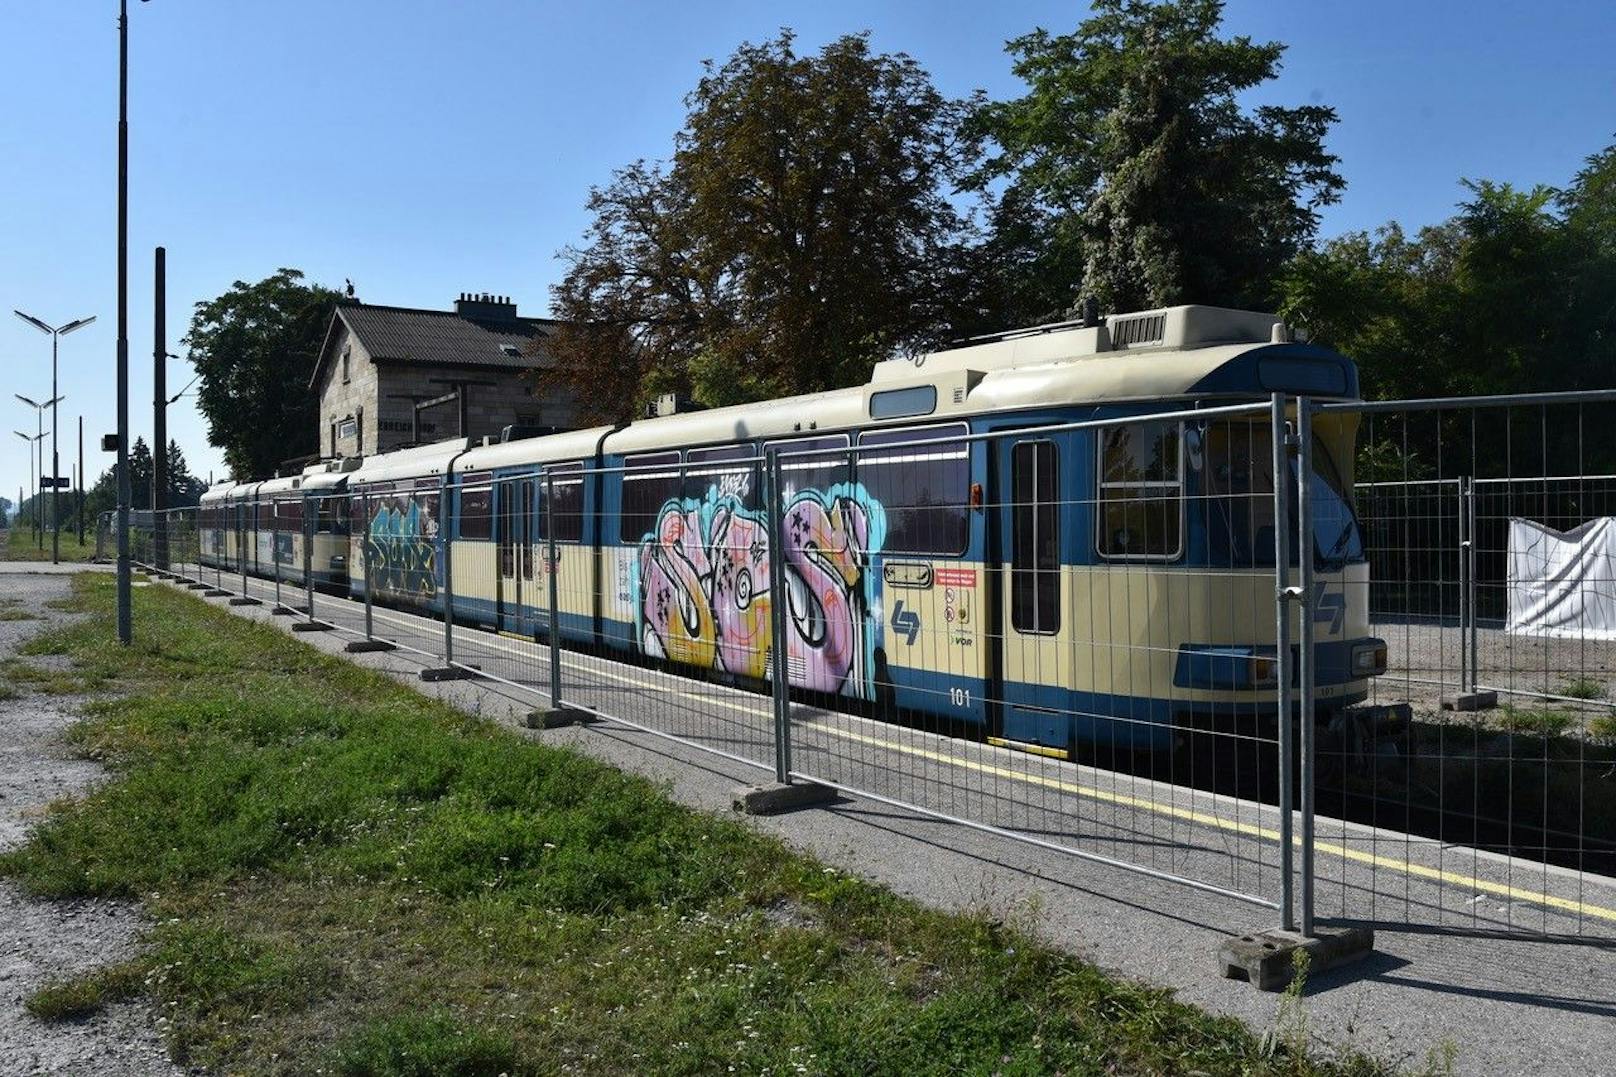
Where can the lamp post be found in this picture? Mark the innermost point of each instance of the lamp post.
(39, 417)
(55, 333)
(33, 440)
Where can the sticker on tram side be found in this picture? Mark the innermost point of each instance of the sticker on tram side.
(703, 593)
(956, 577)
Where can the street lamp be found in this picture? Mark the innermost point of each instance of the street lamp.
(39, 417)
(55, 333)
(32, 441)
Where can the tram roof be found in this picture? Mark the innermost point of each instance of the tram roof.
(418, 461)
(1172, 354)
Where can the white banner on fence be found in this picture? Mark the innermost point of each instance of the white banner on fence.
(1563, 583)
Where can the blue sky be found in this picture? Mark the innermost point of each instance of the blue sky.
(423, 148)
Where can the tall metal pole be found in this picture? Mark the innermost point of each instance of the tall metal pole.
(159, 412)
(1306, 665)
(39, 452)
(82, 491)
(1283, 597)
(125, 591)
(56, 463)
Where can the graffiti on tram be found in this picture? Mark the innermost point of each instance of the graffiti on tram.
(704, 593)
(400, 544)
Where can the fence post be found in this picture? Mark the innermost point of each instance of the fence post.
(243, 598)
(554, 589)
(1306, 672)
(1475, 613)
(448, 671)
(558, 713)
(1283, 597)
(1465, 597)
(310, 625)
(370, 642)
(779, 596)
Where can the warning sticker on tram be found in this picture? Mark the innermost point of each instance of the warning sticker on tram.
(956, 577)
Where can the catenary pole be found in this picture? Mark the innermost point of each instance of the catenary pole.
(125, 592)
(159, 411)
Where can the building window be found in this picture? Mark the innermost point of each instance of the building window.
(359, 431)
(346, 374)
(345, 430)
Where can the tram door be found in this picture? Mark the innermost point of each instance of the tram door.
(515, 540)
(1035, 663)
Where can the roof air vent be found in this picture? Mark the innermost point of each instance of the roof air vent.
(1146, 330)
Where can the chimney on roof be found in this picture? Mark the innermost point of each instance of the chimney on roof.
(486, 308)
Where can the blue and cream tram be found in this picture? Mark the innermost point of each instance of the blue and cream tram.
(958, 542)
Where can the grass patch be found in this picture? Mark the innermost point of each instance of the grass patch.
(21, 545)
(1583, 688)
(344, 874)
(72, 1000)
(1542, 721)
(434, 1045)
(14, 614)
(1602, 728)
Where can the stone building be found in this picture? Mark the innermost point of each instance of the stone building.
(393, 376)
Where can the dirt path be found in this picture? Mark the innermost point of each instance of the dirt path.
(44, 940)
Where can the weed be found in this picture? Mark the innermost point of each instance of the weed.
(1542, 721)
(432, 1045)
(77, 998)
(14, 613)
(1583, 688)
(1602, 728)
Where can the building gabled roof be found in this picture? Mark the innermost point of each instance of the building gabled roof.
(439, 338)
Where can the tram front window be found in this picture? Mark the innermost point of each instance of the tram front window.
(1234, 464)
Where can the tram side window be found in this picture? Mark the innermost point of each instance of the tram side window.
(1035, 552)
(729, 470)
(923, 488)
(649, 481)
(568, 509)
(1141, 492)
(476, 508)
(813, 463)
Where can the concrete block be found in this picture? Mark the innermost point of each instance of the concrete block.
(310, 626)
(1266, 958)
(243, 600)
(214, 592)
(286, 611)
(774, 798)
(365, 646)
(198, 587)
(556, 717)
(1470, 701)
(449, 673)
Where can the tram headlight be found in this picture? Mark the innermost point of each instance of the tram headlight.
(1264, 669)
(1369, 659)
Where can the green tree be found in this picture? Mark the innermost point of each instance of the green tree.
(1515, 293)
(803, 230)
(1129, 172)
(255, 348)
(184, 488)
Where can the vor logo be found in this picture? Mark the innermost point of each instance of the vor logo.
(906, 623)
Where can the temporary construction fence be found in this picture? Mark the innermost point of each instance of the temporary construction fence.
(1078, 636)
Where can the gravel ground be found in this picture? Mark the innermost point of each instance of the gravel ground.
(1424, 661)
(47, 940)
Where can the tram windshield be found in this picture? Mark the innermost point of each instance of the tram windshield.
(1234, 464)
